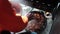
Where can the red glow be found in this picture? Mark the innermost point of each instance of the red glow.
(8, 20)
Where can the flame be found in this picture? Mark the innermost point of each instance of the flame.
(25, 19)
(18, 14)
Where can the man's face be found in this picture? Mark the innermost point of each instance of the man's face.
(32, 26)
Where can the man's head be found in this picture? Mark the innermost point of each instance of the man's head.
(33, 25)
